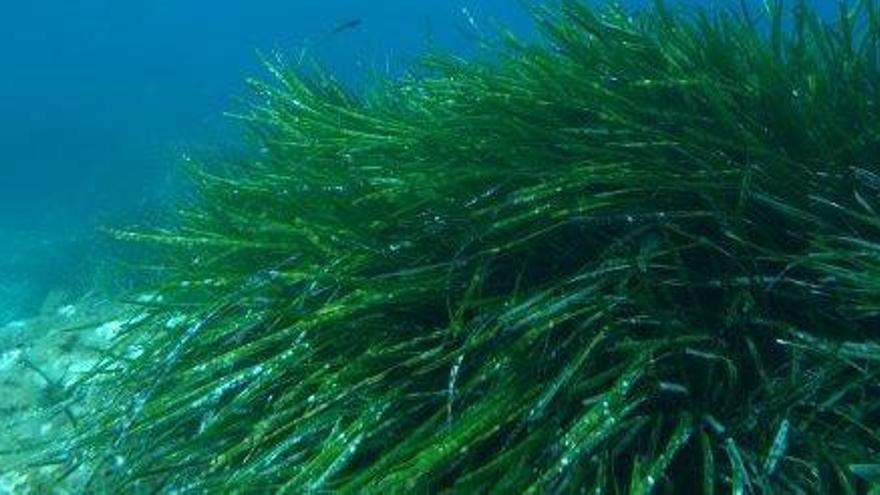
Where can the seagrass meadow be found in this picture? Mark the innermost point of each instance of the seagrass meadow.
(641, 255)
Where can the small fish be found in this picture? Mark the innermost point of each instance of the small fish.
(310, 44)
(341, 28)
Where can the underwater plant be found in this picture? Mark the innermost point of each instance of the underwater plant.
(639, 256)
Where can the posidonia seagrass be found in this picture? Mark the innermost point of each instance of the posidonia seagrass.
(641, 255)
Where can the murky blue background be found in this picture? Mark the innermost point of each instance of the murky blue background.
(98, 95)
(98, 98)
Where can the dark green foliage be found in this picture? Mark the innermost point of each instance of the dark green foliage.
(641, 257)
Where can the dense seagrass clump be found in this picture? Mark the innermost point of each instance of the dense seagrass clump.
(641, 256)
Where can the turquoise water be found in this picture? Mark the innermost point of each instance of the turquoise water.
(100, 101)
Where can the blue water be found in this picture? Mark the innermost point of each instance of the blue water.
(99, 98)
